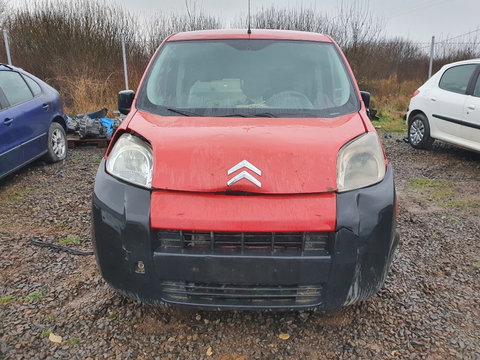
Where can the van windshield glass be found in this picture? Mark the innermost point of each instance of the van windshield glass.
(246, 78)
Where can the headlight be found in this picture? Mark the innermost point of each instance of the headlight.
(131, 159)
(360, 163)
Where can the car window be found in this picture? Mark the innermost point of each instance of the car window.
(3, 100)
(456, 78)
(14, 87)
(36, 89)
(238, 77)
(476, 91)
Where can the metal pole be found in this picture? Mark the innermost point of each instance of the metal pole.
(124, 62)
(249, 31)
(7, 47)
(432, 48)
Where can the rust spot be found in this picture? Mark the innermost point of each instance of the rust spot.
(330, 189)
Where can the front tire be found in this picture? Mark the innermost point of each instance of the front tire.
(419, 132)
(57, 143)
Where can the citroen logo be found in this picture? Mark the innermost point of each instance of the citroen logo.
(244, 174)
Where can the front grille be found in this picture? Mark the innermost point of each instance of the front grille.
(241, 295)
(301, 243)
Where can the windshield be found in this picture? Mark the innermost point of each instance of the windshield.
(244, 77)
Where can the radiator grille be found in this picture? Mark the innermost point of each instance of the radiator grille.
(241, 295)
(239, 242)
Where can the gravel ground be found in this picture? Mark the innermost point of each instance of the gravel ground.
(429, 307)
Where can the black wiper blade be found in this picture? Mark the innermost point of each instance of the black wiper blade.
(265, 114)
(183, 112)
(232, 115)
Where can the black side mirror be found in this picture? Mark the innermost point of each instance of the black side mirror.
(372, 114)
(125, 100)
(365, 98)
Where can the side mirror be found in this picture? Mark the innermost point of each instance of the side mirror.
(372, 114)
(365, 98)
(125, 100)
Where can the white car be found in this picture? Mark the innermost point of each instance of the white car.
(447, 107)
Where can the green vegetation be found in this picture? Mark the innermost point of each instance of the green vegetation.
(19, 196)
(97, 160)
(6, 299)
(64, 226)
(112, 315)
(73, 341)
(469, 204)
(46, 333)
(37, 295)
(48, 318)
(71, 240)
(390, 124)
(440, 192)
(423, 182)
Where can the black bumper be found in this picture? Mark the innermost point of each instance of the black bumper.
(352, 267)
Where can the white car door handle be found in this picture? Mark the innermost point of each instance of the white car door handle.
(433, 99)
(471, 107)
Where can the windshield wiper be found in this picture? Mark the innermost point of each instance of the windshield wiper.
(183, 112)
(191, 113)
(264, 114)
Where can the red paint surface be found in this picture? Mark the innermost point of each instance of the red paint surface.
(209, 212)
(256, 34)
(296, 156)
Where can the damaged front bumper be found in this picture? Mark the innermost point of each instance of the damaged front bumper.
(243, 270)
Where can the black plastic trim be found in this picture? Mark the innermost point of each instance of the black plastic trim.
(363, 244)
(456, 121)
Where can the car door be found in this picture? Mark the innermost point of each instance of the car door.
(471, 128)
(10, 151)
(447, 101)
(20, 136)
(38, 115)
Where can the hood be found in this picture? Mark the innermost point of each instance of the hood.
(254, 155)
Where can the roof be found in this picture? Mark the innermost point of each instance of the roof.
(4, 67)
(463, 62)
(256, 34)
(9, 67)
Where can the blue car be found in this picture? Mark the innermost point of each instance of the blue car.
(32, 123)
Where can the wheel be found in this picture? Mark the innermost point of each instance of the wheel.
(419, 132)
(57, 143)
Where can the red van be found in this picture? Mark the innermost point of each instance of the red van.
(247, 175)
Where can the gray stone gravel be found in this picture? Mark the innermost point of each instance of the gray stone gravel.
(428, 309)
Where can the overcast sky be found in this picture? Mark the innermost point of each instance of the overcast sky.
(417, 20)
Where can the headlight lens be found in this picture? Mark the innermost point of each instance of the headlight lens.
(131, 159)
(360, 163)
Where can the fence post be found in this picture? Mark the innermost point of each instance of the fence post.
(7, 47)
(124, 62)
(431, 57)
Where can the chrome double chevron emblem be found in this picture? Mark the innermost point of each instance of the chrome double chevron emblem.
(244, 174)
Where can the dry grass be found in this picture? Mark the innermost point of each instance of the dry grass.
(83, 94)
(390, 96)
